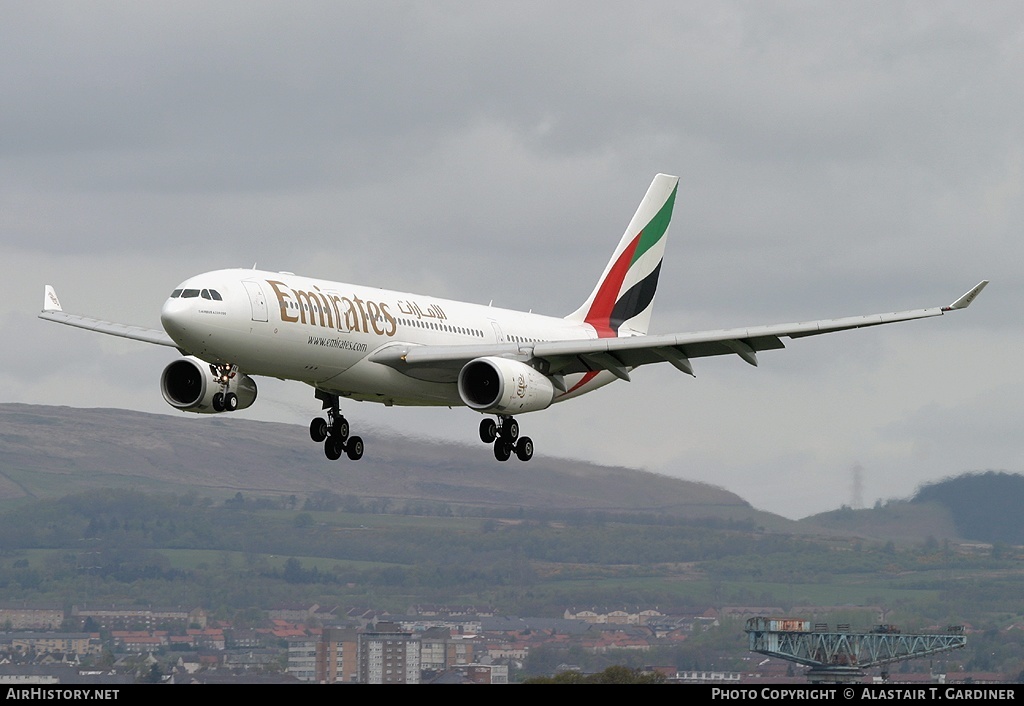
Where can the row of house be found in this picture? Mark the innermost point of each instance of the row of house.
(52, 618)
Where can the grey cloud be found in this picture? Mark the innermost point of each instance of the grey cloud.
(834, 160)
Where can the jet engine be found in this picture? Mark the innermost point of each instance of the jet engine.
(192, 386)
(502, 386)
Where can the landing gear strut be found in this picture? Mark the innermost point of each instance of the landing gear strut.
(334, 431)
(504, 434)
(224, 401)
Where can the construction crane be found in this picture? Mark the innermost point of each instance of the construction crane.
(841, 656)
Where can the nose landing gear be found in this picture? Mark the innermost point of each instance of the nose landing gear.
(334, 432)
(506, 439)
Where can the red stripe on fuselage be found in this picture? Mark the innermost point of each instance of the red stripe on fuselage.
(587, 377)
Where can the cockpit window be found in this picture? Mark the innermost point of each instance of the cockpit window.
(193, 293)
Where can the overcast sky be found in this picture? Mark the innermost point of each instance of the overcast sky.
(834, 159)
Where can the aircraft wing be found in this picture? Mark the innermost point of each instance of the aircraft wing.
(52, 312)
(619, 355)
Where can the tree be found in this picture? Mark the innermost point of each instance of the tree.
(154, 676)
(616, 674)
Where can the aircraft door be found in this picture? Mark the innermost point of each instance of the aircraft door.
(340, 320)
(499, 337)
(257, 300)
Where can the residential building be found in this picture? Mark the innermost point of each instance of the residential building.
(302, 658)
(389, 656)
(337, 656)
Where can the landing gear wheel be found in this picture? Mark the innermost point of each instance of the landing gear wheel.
(354, 448)
(334, 431)
(488, 431)
(218, 402)
(524, 448)
(502, 450)
(510, 429)
(318, 429)
(230, 402)
(340, 428)
(333, 448)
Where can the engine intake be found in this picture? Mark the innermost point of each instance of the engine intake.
(189, 385)
(501, 386)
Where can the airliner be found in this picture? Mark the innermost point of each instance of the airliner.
(396, 348)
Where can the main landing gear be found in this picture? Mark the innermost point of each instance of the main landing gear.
(333, 431)
(224, 401)
(504, 434)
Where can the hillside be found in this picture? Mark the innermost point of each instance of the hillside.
(53, 451)
(984, 506)
(973, 507)
(898, 521)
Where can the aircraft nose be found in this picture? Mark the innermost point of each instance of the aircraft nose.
(175, 316)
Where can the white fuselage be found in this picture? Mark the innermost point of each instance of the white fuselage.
(323, 333)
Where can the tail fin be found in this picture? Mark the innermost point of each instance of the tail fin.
(622, 301)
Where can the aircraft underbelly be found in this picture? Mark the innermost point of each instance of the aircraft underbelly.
(372, 382)
(581, 383)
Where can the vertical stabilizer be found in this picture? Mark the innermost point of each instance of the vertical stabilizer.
(621, 303)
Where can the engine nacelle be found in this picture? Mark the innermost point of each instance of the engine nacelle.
(502, 386)
(190, 385)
